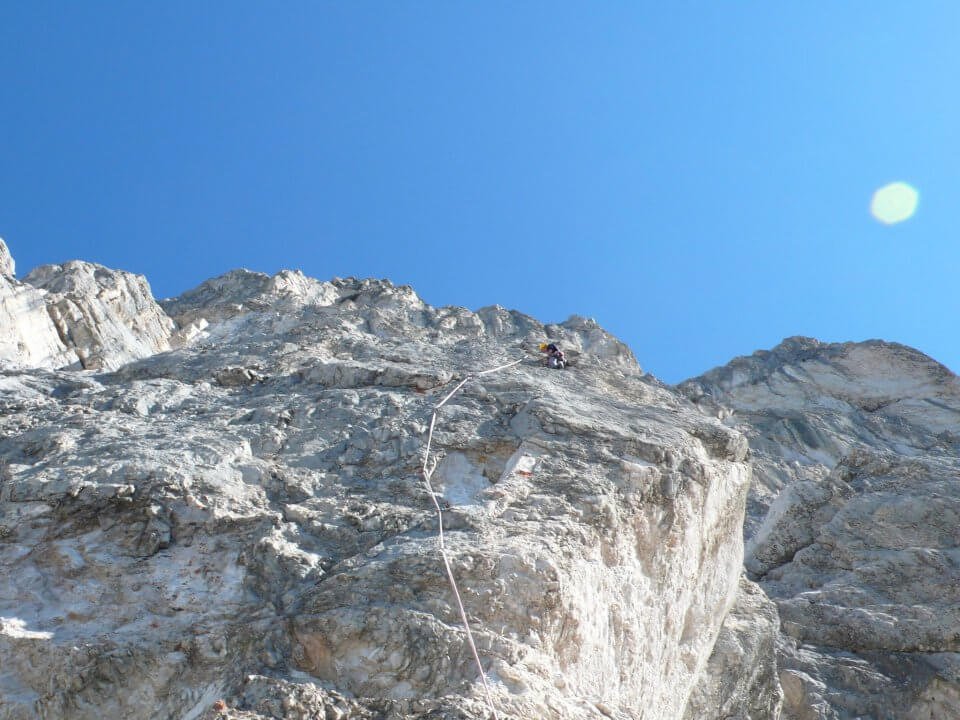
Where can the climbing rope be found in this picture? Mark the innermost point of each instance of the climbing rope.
(428, 470)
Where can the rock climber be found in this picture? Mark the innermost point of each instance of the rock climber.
(555, 356)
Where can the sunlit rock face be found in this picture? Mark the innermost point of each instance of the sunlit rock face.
(237, 526)
(107, 317)
(212, 506)
(853, 522)
(28, 338)
(7, 265)
(740, 679)
(79, 314)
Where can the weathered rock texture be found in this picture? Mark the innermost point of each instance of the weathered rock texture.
(854, 521)
(107, 317)
(238, 526)
(212, 507)
(28, 338)
(80, 314)
(740, 681)
(7, 265)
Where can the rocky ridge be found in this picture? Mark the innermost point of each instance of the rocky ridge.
(852, 525)
(79, 314)
(212, 507)
(29, 338)
(107, 318)
(8, 267)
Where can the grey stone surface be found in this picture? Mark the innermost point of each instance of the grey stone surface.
(7, 266)
(237, 526)
(216, 498)
(107, 317)
(28, 338)
(741, 680)
(852, 522)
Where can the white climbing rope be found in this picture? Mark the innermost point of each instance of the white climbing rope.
(427, 474)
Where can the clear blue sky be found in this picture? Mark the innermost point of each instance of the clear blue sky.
(694, 175)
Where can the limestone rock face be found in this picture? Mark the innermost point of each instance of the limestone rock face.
(7, 266)
(740, 681)
(853, 521)
(107, 317)
(242, 291)
(238, 527)
(28, 337)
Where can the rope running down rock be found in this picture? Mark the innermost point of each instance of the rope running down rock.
(428, 470)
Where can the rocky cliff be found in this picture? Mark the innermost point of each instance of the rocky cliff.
(213, 507)
(28, 338)
(853, 524)
(78, 314)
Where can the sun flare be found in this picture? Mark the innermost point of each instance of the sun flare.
(894, 203)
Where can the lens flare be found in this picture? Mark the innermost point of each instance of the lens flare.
(894, 203)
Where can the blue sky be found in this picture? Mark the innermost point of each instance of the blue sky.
(694, 175)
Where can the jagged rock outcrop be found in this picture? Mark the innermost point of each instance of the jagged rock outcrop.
(107, 317)
(28, 338)
(7, 266)
(81, 314)
(242, 291)
(853, 521)
(238, 527)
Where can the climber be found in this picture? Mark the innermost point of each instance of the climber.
(555, 356)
